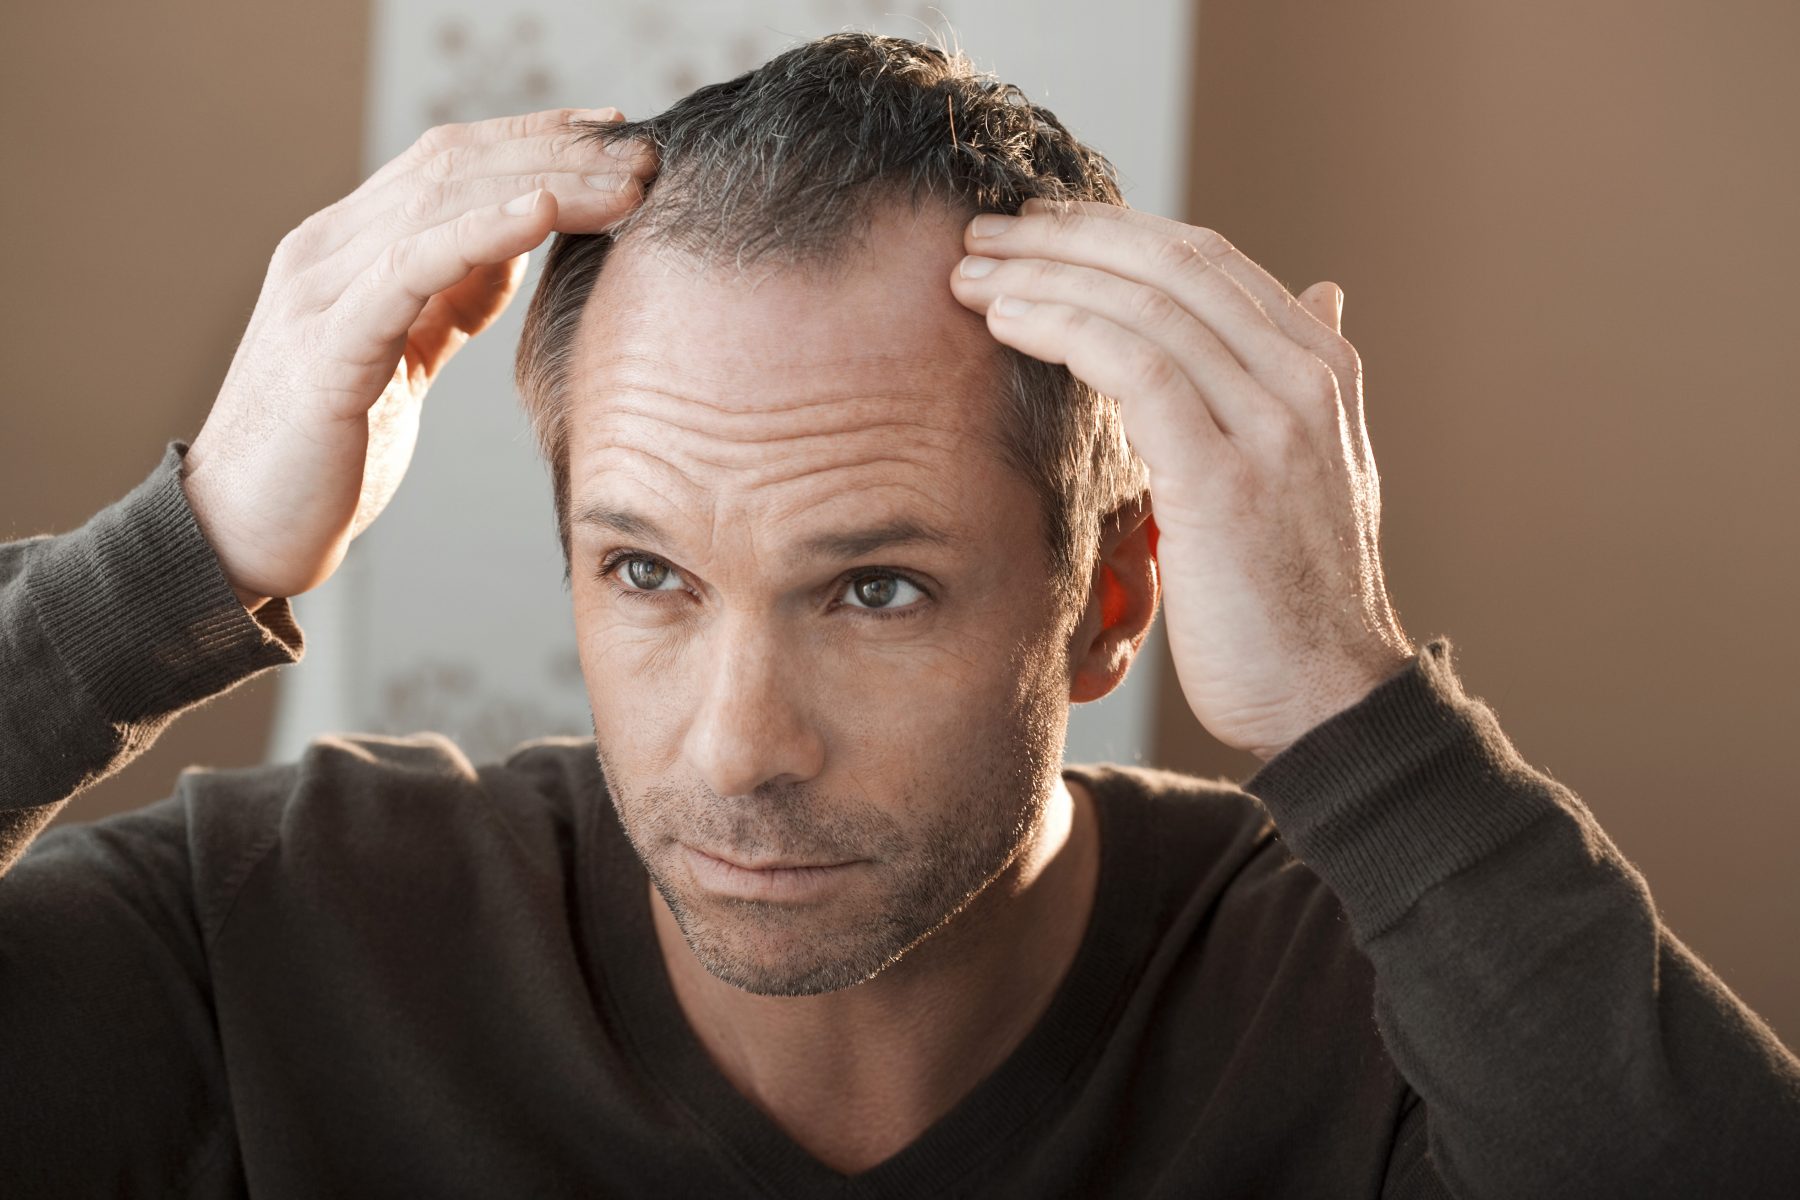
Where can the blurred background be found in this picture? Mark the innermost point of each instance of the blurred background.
(1565, 231)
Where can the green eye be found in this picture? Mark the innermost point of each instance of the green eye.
(646, 574)
(879, 591)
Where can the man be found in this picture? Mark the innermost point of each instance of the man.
(859, 387)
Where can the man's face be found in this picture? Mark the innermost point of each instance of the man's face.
(825, 633)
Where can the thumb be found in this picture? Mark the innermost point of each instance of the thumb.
(1326, 302)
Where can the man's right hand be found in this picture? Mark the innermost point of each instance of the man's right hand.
(362, 306)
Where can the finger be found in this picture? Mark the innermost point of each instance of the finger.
(585, 203)
(1166, 420)
(1165, 258)
(516, 127)
(1301, 324)
(462, 310)
(1236, 401)
(373, 315)
(1325, 302)
(517, 161)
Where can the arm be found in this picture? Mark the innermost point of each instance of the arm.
(1565, 1041)
(106, 634)
(113, 1080)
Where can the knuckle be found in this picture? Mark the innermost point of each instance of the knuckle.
(1151, 367)
(423, 204)
(1150, 307)
(307, 287)
(438, 137)
(391, 261)
(287, 250)
(515, 125)
(1038, 277)
(1179, 256)
(1280, 430)
(1060, 213)
(445, 164)
(297, 247)
(1210, 244)
(1075, 320)
(1319, 381)
(317, 223)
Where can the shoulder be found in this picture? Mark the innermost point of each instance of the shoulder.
(411, 807)
(348, 773)
(1226, 871)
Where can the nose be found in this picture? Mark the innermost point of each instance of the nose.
(752, 726)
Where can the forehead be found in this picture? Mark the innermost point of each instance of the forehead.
(883, 315)
(870, 380)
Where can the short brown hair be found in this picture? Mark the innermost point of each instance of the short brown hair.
(784, 164)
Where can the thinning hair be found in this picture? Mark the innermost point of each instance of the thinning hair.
(785, 165)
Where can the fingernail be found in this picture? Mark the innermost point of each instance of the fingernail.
(974, 266)
(518, 206)
(989, 224)
(608, 182)
(1012, 306)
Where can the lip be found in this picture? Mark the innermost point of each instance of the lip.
(772, 879)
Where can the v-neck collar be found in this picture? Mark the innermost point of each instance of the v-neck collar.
(666, 1051)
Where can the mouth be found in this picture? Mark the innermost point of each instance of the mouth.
(775, 879)
(769, 864)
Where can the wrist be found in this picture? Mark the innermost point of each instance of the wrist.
(1340, 698)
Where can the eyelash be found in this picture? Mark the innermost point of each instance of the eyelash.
(619, 558)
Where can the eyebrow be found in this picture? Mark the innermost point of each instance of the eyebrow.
(850, 543)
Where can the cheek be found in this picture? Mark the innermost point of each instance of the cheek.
(883, 700)
(639, 705)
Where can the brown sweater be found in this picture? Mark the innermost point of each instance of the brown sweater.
(1398, 962)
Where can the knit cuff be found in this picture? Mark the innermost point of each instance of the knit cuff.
(1401, 790)
(138, 608)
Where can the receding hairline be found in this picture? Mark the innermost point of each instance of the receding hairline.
(777, 182)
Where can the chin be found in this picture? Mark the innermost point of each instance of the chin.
(771, 950)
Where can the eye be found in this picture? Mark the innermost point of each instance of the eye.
(883, 591)
(646, 574)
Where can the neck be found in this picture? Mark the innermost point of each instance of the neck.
(855, 1075)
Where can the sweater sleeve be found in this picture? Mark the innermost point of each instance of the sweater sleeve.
(1565, 1042)
(106, 634)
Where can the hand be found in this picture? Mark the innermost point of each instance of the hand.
(362, 306)
(1246, 405)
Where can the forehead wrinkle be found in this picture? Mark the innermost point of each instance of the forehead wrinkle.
(933, 505)
(856, 441)
(778, 436)
(809, 472)
(648, 372)
(881, 405)
(660, 460)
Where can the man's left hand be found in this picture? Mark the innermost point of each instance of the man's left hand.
(1246, 405)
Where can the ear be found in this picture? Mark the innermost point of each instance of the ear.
(1121, 603)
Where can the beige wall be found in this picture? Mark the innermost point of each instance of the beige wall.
(1567, 237)
(154, 156)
